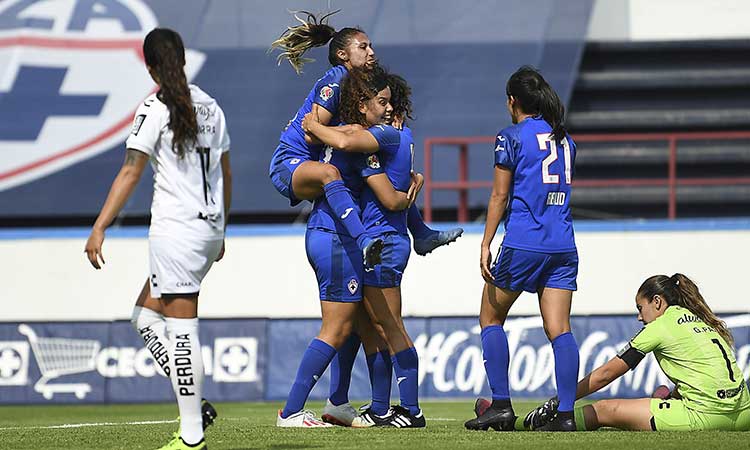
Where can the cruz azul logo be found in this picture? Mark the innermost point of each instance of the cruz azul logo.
(71, 78)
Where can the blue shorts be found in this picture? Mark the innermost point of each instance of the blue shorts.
(337, 262)
(395, 256)
(282, 167)
(522, 270)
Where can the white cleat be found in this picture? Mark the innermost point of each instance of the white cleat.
(339, 415)
(302, 419)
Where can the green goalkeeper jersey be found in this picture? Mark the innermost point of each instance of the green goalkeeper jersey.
(697, 360)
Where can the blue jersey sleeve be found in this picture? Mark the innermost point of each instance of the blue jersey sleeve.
(388, 138)
(327, 91)
(506, 150)
(371, 165)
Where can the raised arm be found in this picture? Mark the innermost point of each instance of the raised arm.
(121, 189)
(348, 140)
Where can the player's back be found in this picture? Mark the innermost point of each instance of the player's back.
(396, 160)
(188, 190)
(538, 215)
(325, 93)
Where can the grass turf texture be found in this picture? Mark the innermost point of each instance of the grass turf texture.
(252, 426)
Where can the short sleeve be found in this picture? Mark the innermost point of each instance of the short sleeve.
(327, 93)
(505, 151)
(224, 141)
(388, 138)
(371, 165)
(146, 128)
(648, 339)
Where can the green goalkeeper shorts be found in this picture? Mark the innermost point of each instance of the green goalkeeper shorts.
(672, 415)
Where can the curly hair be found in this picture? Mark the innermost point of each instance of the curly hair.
(313, 32)
(400, 97)
(359, 86)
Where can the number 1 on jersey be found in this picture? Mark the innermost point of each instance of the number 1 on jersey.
(545, 143)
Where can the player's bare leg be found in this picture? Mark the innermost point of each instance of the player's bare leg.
(384, 308)
(499, 415)
(625, 414)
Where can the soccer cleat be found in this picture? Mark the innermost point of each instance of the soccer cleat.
(481, 405)
(436, 239)
(301, 419)
(542, 414)
(178, 444)
(560, 424)
(368, 418)
(402, 418)
(371, 252)
(499, 419)
(341, 415)
(208, 413)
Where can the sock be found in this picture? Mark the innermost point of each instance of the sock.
(416, 225)
(186, 363)
(406, 366)
(340, 200)
(314, 362)
(496, 360)
(566, 369)
(380, 367)
(153, 330)
(580, 418)
(341, 370)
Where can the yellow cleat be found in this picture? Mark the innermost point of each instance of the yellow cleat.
(178, 444)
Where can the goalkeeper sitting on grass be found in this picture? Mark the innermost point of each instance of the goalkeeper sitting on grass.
(694, 349)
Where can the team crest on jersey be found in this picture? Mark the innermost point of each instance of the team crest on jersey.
(353, 285)
(373, 162)
(326, 93)
(71, 78)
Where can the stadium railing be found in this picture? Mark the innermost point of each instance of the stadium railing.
(463, 184)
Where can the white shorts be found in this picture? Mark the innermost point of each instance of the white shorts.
(179, 265)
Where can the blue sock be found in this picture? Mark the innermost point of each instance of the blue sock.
(565, 349)
(380, 367)
(496, 360)
(341, 370)
(416, 225)
(406, 366)
(314, 362)
(342, 204)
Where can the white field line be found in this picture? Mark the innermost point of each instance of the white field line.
(92, 424)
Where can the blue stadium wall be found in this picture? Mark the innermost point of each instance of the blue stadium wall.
(456, 56)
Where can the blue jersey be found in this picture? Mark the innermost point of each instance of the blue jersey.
(326, 94)
(396, 158)
(538, 214)
(351, 168)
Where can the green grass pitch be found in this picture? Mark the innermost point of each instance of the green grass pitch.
(252, 426)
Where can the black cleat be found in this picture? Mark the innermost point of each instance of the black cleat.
(481, 405)
(208, 412)
(561, 422)
(542, 414)
(368, 418)
(371, 252)
(402, 418)
(436, 239)
(499, 419)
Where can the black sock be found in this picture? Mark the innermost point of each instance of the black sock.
(501, 404)
(565, 415)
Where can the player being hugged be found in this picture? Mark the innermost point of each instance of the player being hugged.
(693, 347)
(333, 255)
(296, 170)
(382, 292)
(183, 131)
(531, 188)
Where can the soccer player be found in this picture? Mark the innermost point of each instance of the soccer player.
(296, 170)
(333, 255)
(183, 131)
(382, 284)
(531, 189)
(693, 347)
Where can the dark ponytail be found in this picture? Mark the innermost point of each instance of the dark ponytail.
(536, 96)
(313, 32)
(681, 291)
(165, 55)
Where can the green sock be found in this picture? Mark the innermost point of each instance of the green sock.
(518, 426)
(580, 418)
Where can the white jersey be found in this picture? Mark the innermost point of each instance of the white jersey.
(188, 191)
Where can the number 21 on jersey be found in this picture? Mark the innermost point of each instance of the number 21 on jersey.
(547, 144)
